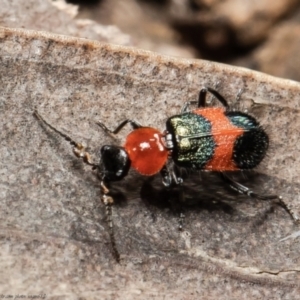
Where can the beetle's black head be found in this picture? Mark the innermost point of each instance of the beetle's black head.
(114, 164)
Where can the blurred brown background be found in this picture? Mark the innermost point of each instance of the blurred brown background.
(261, 35)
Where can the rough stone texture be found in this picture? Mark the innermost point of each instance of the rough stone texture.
(54, 238)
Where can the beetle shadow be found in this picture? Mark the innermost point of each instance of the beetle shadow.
(198, 194)
(204, 191)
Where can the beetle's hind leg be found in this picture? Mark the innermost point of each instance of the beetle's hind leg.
(248, 192)
(245, 190)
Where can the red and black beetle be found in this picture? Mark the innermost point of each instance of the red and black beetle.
(206, 138)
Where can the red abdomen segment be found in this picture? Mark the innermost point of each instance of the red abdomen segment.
(146, 150)
(224, 134)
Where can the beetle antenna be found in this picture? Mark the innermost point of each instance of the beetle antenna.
(79, 150)
(108, 202)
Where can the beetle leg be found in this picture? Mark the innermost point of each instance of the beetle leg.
(244, 190)
(203, 93)
(202, 99)
(171, 179)
(112, 133)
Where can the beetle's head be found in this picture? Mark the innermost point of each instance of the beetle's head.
(114, 164)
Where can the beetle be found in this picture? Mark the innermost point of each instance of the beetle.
(205, 138)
